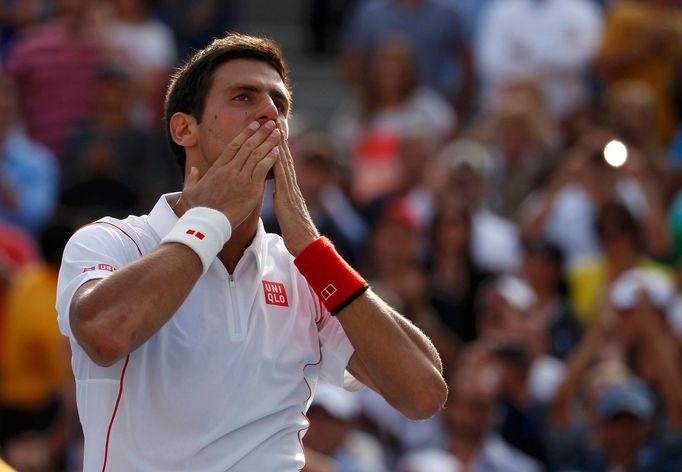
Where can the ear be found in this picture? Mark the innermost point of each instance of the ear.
(183, 129)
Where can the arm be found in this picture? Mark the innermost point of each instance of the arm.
(112, 317)
(391, 355)
(663, 354)
(577, 365)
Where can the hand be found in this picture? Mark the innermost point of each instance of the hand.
(235, 182)
(298, 229)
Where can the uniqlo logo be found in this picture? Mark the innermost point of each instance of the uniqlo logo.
(275, 294)
(106, 267)
(328, 291)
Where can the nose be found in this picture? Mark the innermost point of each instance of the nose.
(268, 110)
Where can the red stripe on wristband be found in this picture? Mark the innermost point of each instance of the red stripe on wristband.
(332, 279)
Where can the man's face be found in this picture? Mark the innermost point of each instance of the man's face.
(243, 91)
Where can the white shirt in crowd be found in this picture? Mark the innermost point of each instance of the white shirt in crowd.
(224, 384)
(550, 41)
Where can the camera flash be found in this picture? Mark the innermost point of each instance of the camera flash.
(615, 153)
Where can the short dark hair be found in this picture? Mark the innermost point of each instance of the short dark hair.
(191, 82)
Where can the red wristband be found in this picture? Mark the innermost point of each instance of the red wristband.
(333, 280)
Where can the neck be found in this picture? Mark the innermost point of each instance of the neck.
(242, 236)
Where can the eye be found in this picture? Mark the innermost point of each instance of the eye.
(241, 97)
(282, 107)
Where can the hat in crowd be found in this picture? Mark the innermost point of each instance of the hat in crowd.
(632, 396)
(467, 152)
(339, 403)
(627, 289)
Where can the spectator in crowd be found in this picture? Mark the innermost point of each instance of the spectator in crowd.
(473, 443)
(54, 66)
(468, 167)
(29, 174)
(417, 179)
(111, 164)
(392, 105)
(621, 241)
(454, 277)
(630, 109)
(148, 46)
(577, 189)
(519, 132)
(197, 23)
(549, 41)
(512, 330)
(643, 41)
(542, 269)
(435, 31)
(634, 418)
(36, 388)
(334, 419)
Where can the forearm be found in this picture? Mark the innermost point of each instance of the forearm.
(112, 317)
(397, 359)
(577, 365)
(663, 353)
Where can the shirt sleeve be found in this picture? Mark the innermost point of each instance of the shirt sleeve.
(94, 252)
(336, 352)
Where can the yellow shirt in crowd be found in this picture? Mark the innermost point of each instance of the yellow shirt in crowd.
(35, 356)
(588, 283)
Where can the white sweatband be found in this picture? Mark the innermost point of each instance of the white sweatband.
(202, 229)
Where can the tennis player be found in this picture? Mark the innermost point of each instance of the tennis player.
(198, 338)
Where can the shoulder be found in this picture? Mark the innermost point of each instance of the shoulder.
(131, 235)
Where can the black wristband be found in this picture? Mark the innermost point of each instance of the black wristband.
(350, 300)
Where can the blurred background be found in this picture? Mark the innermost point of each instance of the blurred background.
(507, 173)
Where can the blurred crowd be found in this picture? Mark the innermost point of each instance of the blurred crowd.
(507, 173)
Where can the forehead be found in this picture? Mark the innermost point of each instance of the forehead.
(249, 72)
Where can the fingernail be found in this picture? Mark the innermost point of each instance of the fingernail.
(254, 126)
(270, 125)
(275, 133)
(275, 151)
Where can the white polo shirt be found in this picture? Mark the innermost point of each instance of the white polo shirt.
(225, 383)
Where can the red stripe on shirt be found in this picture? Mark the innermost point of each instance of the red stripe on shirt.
(310, 393)
(125, 365)
(113, 415)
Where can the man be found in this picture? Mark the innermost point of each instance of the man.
(188, 362)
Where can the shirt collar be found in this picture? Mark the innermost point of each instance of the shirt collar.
(162, 218)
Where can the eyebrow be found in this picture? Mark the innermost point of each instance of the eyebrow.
(273, 92)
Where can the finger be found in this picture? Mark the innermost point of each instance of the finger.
(280, 176)
(252, 144)
(192, 178)
(262, 168)
(288, 160)
(259, 153)
(233, 147)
